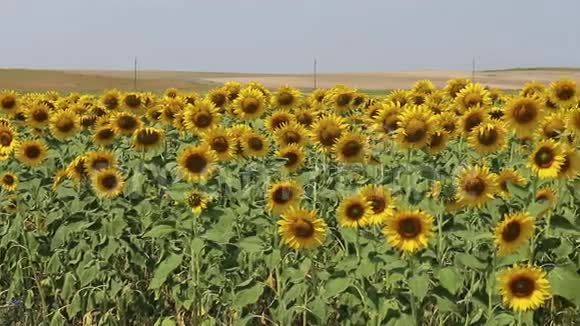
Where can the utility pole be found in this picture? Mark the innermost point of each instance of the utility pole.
(135, 75)
(473, 69)
(315, 81)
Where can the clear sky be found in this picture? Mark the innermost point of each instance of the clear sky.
(285, 35)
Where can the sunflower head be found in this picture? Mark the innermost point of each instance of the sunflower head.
(477, 185)
(472, 118)
(533, 89)
(438, 141)
(454, 86)
(254, 144)
(283, 195)
(202, 116)
(32, 152)
(197, 163)
(513, 232)
(133, 102)
(488, 137)
(301, 228)
(399, 96)
(564, 92)
(381, 200)
(250, 103)
(409, 230)
(509, 176)
(291, 133)
(546, 194)
(305, 117)
(448, 122)
(546, 159)
(523, 114)
(326, 131)
(278, 119)
(219, 97)
(77, 169)
(64, 124)
(354, 211)
(473, 95)
(387, 119)
(8, 138)
(8, 181)
(9, 101)
(111, 99)
(416, 126)
(38, 115)
(125, 123)
(99, 160)
(524, 287)
(294, 155)
(107, 183)
(104, 136)
(570, 167)
(145, 139)
(351, 147)
(553, 126)
(221, 141)
(197, 201)
(340, 99)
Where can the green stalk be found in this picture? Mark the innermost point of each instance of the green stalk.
(440, 239)
(491, 287)
(412, 300)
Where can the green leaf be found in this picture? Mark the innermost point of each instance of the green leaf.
(57, 319)
(168, 322)
(251, 244)
(248, 296)
(336, 286)
(159, 231)
(469, 261)
(419, 285)
(536, 208)
(76, 305)
(68, 287)
(565, 283)
(450, 279)
(164, 269)
(517, 191)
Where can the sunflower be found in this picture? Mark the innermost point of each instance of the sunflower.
(77, 170)
(278, 119)
(132, 102)
(512, 232)
(546, 194)
(472, 118)
(448, 121)
(301, 228)
(388, 118)
(354, 211)
(563, 92)
(294, 155)
(351, 147)
(496, 113)
(476, 186)
(104, 136)
(318, 95)
(381, 201)
(552, 126)
(547, 159)
(570, 167)
(399, 96)
(409, 230)
(58, 179)
(372, 112)
(438, 141)
(282, 195)
(87, 121)
(291, 133)
(197, 201)
(305, 117)
(249, 104)
(488, 137)
(38, 115)
(218, 97)
(64, 124)
(509, 176)
(233, 88)
(171, 92)
(326, 131)
(148, 138)
(107, 183)
(221, 141)
(154, 114)
(170, 108)
(533, 89)
(99, 160)
(125, 123)
(454, 86)
(191, 98)
(9, 102)
(8, 181)
(573, 121)
(523, 115)
(524, 287)
(418, 98)
(197, 163)
(255, 144)
(339, 99)
(8, 139)
(424, 86)
(111, 99)
(202, 116)
(473, 95)
(416, 126)
(32, 152)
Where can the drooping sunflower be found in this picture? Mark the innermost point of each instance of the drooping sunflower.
(125, 123)
(509, 176)
(111, 99)
(219, 97)
(570, 167)
(8, 139)
(454, 86)
(387, 119)
(523, 115)
(294, 155)
(564, 92)
(37, 115)
(438, 141)
(546, 193)
(104, 136)
(64, 124)
(96, 161)
(145, 139)
(8, 181)
(221, 142)
(552, 126)
(197, 201)
(351, 147)
(255, 144)
(533, 89)
(301, 228)
(291, 133)
(489, 137)
(409, 230)
(381, 201)
(399, 96)
(473, 117)
(9, 102)
(197, 163)
(286, 97)
(513, 232)
(354, 211)
(31, 152)
(108, 183)
(524, 287)
(277, 119)
(476, 185)
(202, 116)
(326, 131)
(58, 179)
(416, 126)
(547, 159)
(250, 104)
(473, 95)
(132, 102)
(283, 195)
(170, 108)
(77, 170)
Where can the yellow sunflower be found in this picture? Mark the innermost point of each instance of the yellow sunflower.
(351, 147)
(409, 230)
(8, 139)
(233, 88)
(77, 170)
(416, 126)
(318, 95)
(286, 97)
(524, 287)
(32, 152)
(8, 181)
(399, 96)
(64, 124)
(37, 115)
(98, 160)
(306, 116)
(202, 116)
(477, 185)
(104, 136)
(509, 176)
(294, 155)
(533, 89)
(221, 141)
(249, 104)
(197, 201)
(424, 86)
(283, 195)
(388, 118)
(563, 92)
(354, 211)
(133, 102)
(339, 99)
(546, 193)
(197, 163)
(448, 121)
(219, 98)
(326, 131)
(523, 115)
(438, 141)
(291, 133)
(381, 200)
(125, 123)
(552, 126)
(9, 102)
(111, 99)
(145, 139)
(513, 232)
(108, 183)
(170, 108)
(488, 137)
(278, 119)
(570, 167)
(88, 121)
(301, 228)
(454, 86)
(496, 113)
(171, 92)
(547, 159)
(473, 117)
(473, 95)
(254, 144)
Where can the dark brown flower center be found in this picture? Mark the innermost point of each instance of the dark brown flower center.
(219, 99)
(303, 228)
(472, 121)
(133, 101)
(436, 140)
(291, 137)
(496, 114)
(256, 143)
(418, 99)
(250, 105)
(40, 115)
(488, 137)
(105, 134)
(8, 102)
(285, 98)
(32, 151)
(416, 130)
(455, 89)
(88, 121)
(474, 186)
(196, 163)
(304, 119)
(522, 287)
(358, 100)
(351, 148)
(512, 231)
(65, 124)
(565, 92)
(5, 138)
(378, 203)
(292, 159)
(329, 135)
(544, 157)
(127, 123)
(343, 99)
(355, 211)
(194, 200)
(449, 127)
(220, 144)
(282, 195)
(472, 99)
(279, 120)
(109, 181)
(525, 111)
(390, 123)
(148, 137)
(111, 102)
(8, 179)
(202, 119)
(566, 164)
(409, 228)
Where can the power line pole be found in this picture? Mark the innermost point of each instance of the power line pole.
(315, 81)
(135, 75)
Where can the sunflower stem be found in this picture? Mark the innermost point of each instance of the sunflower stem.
(440, 239)
(412, 300)
(409, 183)
(520, 319)
(491, 279)
(357, 246)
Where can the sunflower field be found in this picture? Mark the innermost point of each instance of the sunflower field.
(250, 206)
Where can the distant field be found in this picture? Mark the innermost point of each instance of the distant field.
(157, 81)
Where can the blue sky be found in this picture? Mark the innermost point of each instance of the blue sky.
(285, 35)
